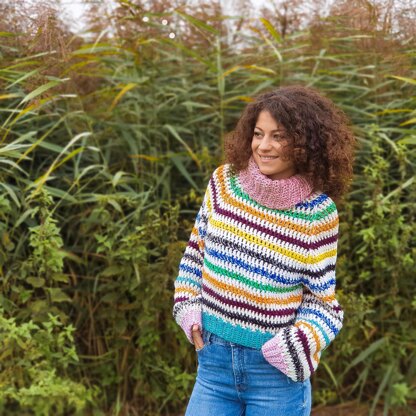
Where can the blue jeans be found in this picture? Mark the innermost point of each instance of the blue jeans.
(233, 380)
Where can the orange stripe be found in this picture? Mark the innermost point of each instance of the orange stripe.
(243, 293)
(315, 336)
(186, 290)
(328, 298)
(258, 214)
(327, 226)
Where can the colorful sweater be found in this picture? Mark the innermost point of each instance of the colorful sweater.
(261, 277)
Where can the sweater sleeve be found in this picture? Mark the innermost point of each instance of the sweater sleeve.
(296, 350)
(187, 297)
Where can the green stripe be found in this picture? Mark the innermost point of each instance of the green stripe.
(325, 212)
(290, 213)
(248, 282)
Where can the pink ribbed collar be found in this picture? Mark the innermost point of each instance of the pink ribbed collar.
(275, 194)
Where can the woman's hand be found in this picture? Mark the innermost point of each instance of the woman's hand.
(197, 337)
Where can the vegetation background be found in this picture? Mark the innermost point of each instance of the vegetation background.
(107, 141)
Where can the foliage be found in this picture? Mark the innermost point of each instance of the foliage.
(32, 355)
(106, 148)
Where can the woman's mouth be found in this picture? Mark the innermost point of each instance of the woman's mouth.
(266, 158)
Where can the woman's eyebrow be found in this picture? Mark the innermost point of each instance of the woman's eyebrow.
(278, 130)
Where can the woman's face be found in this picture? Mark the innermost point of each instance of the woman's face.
(267, 146)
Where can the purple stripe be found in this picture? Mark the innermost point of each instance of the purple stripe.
(282, 312)
(305, 344)
(266, 230)
(329, 240)
(194, 245)
(181, 299)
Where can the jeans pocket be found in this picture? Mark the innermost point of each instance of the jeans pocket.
(200, 349)
(205, 339)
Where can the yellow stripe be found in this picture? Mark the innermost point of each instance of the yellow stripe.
(260, 242)
(209, 205)
(230, 199)
(244, 294)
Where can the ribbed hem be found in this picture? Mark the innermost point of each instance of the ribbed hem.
(273, 353)
(235, 333)
(189, 319)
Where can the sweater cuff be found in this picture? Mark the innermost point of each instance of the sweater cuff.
(188, 320)
(273, 353)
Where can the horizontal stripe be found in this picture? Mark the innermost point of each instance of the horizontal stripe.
(187, 280)
(263, 272)
(194, 245)
(248, 282)
(253, 239)
(182, 289)
(229, 198)
(192, 258)
(235, 333)
(180, 299)
(242, 248)
(232, 201)
(266, 300)
(319, 314)
(239, 317)
(247, 306)
(332, 239)
(191, 270)
(268, 231)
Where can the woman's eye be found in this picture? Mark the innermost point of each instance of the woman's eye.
(257, 134)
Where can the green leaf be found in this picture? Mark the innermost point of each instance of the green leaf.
(58, 295)
(380, 389)
(270, 28)
(114, 270)
(407, 122)
(198, 23)
(408, 80)
(366, 353)
(36, 281)
(111, 297)
(40, 90)
(60, 277)
(175, 134)
(179, 164)
(408, 140)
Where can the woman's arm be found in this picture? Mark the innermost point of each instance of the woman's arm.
(187, 297)
(296, 350)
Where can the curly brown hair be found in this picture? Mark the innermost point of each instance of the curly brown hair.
(321, 142)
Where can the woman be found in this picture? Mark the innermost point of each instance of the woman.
(256, 287)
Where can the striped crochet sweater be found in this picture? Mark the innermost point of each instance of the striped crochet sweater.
(261, 277)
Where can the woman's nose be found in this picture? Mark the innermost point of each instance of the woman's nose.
(265, 143)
